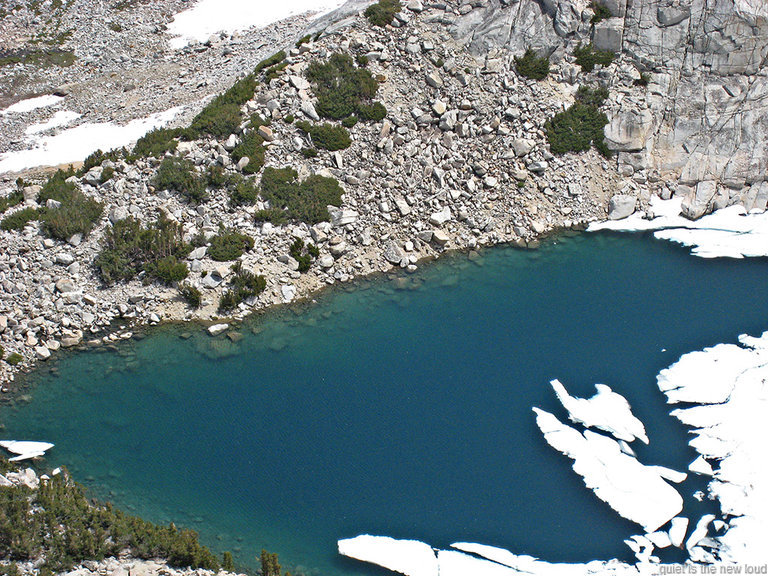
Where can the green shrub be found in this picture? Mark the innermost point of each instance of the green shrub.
(221, 117)
(362, 60)
(588, 56)
(383, 12)
(179, 174)
(269, 62)
(274, 71)
(128, 249)
(532, 66)
(194, 299)
(13, 199)
(157, 142)
(19, 219)
(227, 563)
(330, 137)
(77, 213)
(269, 564)
(306, 201)
(304, 255)
(375, 112)
(228, 245)
(581, 125)
(14, 358)
(289, 119)
(243, 284)
(2, 352)
(106, 174)
(643, 80)
(167, 270)
(349, 121)
(274, 215)
(252, 146)
(309, 152)
(600, 12)
(303, 40)
(340, 87)
(217, 178)
(243, 193)
(98, 157)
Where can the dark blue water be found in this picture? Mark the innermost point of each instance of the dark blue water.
(397, 407)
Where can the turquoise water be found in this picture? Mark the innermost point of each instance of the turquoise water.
(397, 407)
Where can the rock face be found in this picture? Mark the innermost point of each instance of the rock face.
(700, 117)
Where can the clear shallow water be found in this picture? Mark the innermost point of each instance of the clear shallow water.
(399, 408)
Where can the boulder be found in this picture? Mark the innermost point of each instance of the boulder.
(308, 109)
(217, 329)
(42, 352)
(620, 206)
(342, 217)
(393, 253)
(628, 129)
(609, 34)
(697, 203)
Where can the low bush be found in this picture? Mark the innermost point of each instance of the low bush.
(244, 192)
(194, 299)
(349, 121)
(128, 249)
(382, 12)
(221, 117)
(157, 142)
(307, 201)
(252, 146)
(19, 219)
(375, 112)
(228, 245)
(342, 89)
(77, 214)
(13, 199)
(601, 13)
(13, 359)
(273, 60)
(588, 56)
(581, 125)
(179, 174)
(98, 157)
(309, 152)
(243, 285)
(330, 137)
(532, 66)
(304, 255)
(643, 80)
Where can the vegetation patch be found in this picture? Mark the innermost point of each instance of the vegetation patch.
(14, 358)
(304, 254)
(273, 60)
(327, 136)
(229, 245)
(179, 174)
(129, 249)
(40, 58)
(588, 56)
(61, 525)
(77, 214)
(532, 66)
(243, 192)
(601, 13)
(342, 89)
(382, 12)
(307, 201)
(19, 219)
(13, 199)
(157, 142)
(244, 284)
(222, 116)
(251, 147)
(98, 157)
(581, 125)
(194, 299)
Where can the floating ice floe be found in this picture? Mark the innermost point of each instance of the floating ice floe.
(208, 17)
(727, 233)
(25, 449)
(76, 143)
(637, 492)
(606, 410)
(730, 385)
(61, 118)
(32, 104)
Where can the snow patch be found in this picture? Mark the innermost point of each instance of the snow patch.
(727, 233)
(606, 410)
(76, 143)
(32, 104)
(61, 118)
(405, 556)
(208, 17)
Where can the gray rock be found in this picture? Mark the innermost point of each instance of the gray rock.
(309, 110)
(440, 237)
(299, 82)
(698, 202)
(342, 217)
(441, 217)
(393, 253)
(434, 79)
(198, 253)
(609, 35)
(522, 146)
(217, 329)
(621, 206)
(42, 353)
(118, 213)
(65, 285)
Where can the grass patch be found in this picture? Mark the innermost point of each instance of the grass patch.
(342, 89)
(61, 525)
(221, 117)
(14, 358)
(382, 12)
(40, 58)
(128, 249)
(307, 201)
(581, 125)
(157, 142)
(179, 174)
(588, 56)
(243, 285)
(229, 245)
(532, 66)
